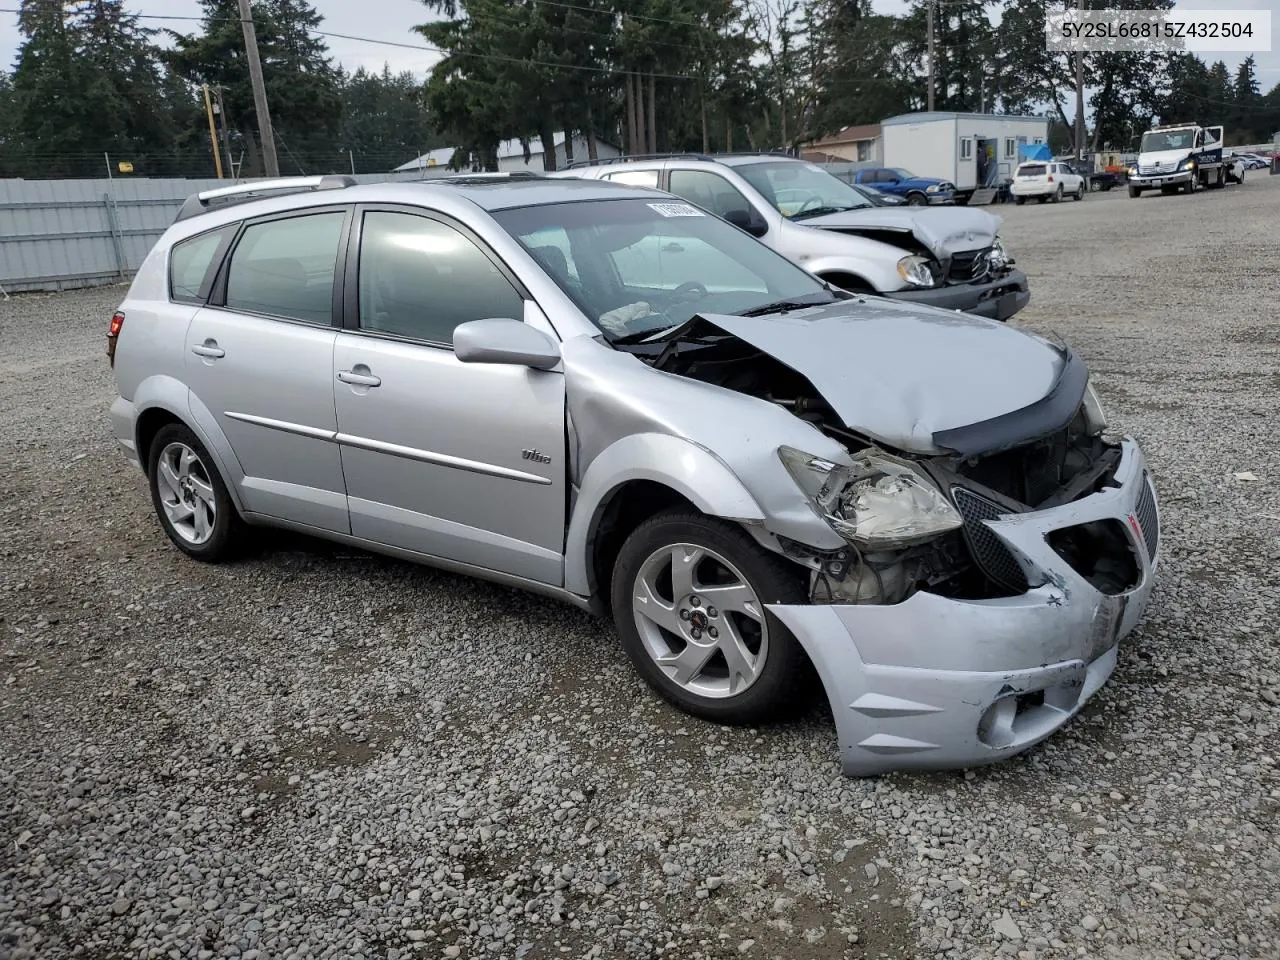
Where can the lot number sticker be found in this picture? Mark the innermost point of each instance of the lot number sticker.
(676, 210)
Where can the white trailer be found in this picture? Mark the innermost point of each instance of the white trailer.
(972, 150)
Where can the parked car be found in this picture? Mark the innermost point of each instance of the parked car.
(877, 197)
(917, 191)
(606, 395)
(951, 258)
(1043, 180)
(1254, 162)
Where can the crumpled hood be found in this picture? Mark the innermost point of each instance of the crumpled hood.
(900, 372)
(943, 230)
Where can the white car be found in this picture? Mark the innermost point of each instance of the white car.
(1046, 180)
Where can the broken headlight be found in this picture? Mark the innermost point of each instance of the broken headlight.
(877, 502)
(915, 270)
(1094, 417)
(999, 256)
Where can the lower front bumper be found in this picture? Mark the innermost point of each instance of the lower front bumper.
(1163, 180)
(996, 299)
(936, 683)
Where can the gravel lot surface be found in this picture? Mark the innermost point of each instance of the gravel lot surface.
(316, 752)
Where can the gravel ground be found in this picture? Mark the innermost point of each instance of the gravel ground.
(322, 753)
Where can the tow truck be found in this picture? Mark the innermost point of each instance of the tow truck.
(1179, 156)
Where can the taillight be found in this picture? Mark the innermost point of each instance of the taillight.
(113, 331)
(1050, 180)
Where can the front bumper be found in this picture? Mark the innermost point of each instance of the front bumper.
(1150, 181)
(997, 298)
(935, 683)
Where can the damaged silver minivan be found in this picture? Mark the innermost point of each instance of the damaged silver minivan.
(606, 395)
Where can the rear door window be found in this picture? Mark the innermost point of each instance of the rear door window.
(192, 263)
(284, 268)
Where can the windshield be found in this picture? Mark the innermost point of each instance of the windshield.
(801, 190)
(637, 265)
(903, 174)
(1167, 140)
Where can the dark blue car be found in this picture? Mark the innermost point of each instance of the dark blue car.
(917, 191)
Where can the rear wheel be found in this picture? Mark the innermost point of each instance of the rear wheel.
(1057, 196)
(190, 498)
(689, 596)
(1019, 201)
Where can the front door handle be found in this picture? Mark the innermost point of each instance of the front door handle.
(209, 350)
(359, 377)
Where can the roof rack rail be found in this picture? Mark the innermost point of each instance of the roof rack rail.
(199, 203)
(485, 176)
(708, 157)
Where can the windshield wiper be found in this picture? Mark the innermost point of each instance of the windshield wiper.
(823, 211)
(652, 335)
(782, 306)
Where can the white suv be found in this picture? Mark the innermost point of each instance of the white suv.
(1046, 180)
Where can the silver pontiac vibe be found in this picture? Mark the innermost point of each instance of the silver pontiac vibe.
(603, 393)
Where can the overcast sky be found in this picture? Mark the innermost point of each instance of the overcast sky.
(391, 20)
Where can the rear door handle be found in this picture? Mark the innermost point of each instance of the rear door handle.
(359, 379)
(209, 349)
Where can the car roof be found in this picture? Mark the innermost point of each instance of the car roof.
(450, 195)
(653, 162)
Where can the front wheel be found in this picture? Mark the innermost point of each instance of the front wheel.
(190, 497)
(1134, 193)
(1193, 184)
(917, 200)
(689, 596)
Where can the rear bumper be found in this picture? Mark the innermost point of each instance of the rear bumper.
(124, 427)
(997, 299)
(936, 683)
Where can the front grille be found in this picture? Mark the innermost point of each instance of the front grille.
(989, 552)
(969, 266)
(1148, 520)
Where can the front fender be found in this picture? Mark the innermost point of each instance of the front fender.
(685, 467)
(169, 394)
(880, 270)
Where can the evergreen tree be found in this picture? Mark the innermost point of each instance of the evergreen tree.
(303, 86)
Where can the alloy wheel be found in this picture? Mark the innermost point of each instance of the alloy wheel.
(186, 493)
(700, 620)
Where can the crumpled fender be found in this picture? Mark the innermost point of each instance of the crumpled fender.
(687, 468)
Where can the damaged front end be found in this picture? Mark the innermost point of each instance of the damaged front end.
(984, 582)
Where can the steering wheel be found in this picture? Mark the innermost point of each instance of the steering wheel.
(811, 204)
(689, 290)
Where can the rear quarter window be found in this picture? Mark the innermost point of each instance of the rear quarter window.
(192, 263)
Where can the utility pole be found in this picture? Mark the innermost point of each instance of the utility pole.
(259, 92)
(221, 110)
(931, 4)
(1079, 94)
(213, 133)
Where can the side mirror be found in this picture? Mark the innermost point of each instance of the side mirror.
(504, 341)
(748, 220)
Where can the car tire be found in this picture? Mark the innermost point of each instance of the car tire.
(773, 676)
(1193, 184)
(917, 200)
(1019, 201)
(1042, 199)
(1134, 193)
(190, 498)
(1080, 191)
(1057, 197)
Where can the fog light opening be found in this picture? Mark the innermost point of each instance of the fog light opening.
(1102, 552)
